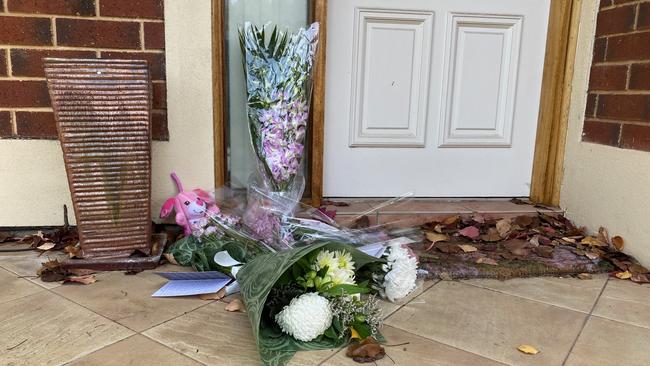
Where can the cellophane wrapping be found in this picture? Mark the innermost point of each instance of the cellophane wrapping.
(278, 69)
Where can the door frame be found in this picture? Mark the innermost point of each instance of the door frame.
(564, 20)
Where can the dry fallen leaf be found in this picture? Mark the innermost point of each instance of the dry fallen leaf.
(434, 238)
(471, 232)
(603, 235)
(590, 240)
(584, 276)
(491, 236)
(503, 227)
(487, 260)
(528, 349)
(569, 240)
(467, 248)
(637, 268)
(367, 350)
(451, 220)
(236, 305)
(81, 271)
(46, 246)
(640, 278)
(214, 296)
(85, 280)
(618, 242)
(624, 275)
(170, 258)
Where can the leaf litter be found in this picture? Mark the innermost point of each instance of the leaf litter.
(526, 245)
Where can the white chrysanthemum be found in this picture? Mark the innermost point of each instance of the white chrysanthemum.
(306, 317)
(345, 260)
(402, 268)
(325, 258)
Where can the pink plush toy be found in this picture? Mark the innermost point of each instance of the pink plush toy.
(192, 207)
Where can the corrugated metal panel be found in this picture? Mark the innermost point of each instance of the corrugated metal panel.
(102, 110)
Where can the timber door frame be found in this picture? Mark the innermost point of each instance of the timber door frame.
(564, 19)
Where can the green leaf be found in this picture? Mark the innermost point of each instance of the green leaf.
(331, 333)
(363, 329)
(323, 271)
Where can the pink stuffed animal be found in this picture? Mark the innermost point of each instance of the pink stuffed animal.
(192, 207)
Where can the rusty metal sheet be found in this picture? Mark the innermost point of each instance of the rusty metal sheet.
(103, 116)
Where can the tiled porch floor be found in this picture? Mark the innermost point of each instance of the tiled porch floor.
(478, 322)
(115, 321)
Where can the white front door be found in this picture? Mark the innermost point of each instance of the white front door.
(439, 98)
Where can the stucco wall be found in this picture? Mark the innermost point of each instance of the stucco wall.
(33, 185)
(603, 185)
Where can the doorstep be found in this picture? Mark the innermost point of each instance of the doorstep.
(417, 211)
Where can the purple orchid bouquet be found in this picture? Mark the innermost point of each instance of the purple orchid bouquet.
(278, 71)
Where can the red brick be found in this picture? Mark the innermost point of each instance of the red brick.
(29, 62)
(604, 133)
(25, 31)
(5, 123)
(2, 6)
(608, 77)
(156, 61)
(615, 20)
(132, 9)
(159, 96)
(97, 33)
(3, 62)
(628, 47)
(36, 125)
(159, 126)
(590, 108)
(25, 93)
(600, 45)
(640, 77)
(605, 3)
(154, 36)
(643, 20)
(635, 137)
(619, 2)
(626, 107)
(58, 7)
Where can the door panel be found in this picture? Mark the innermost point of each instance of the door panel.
(438, 98)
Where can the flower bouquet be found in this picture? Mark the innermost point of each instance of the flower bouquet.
(319, 296)
(278, 73)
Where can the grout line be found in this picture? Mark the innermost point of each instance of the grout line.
(81, 48)
(172, 349)
(79, 357)
(14, 123)
(637, 10)
(142, 36)
(54, 36)
(10, 69)
(97, 9)
(584, 323)
(620, 322)
(81, 17)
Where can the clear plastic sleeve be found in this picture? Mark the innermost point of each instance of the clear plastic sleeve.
(278, 68)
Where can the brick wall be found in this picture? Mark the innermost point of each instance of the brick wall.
(618, 103)
(33, 29)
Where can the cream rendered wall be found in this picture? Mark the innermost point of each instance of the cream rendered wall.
(33, 184)
(603, 185)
